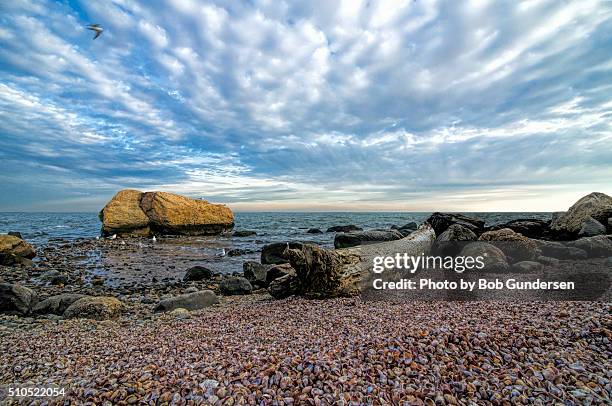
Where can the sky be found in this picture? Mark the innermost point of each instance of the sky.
(298, 106)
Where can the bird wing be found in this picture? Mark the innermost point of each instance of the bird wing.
(93, 25)
(97, 34)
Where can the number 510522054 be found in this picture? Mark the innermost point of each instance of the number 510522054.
(35, 392)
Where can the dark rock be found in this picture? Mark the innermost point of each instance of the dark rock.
(345, 240)
(314, 231)
(494, 259)
(609, 261)
(189, 301)
(16, 299)
(273, 253)
(527, 266)
(558, 250)
(596, 247)
(97, 281)
(236, 252)
(344, 229)
(56, 304)
(15, 234)
(235, 285)
(284, 287)
(531, 228)
(446, 243)
(60, 279)
(591, 227)
(412, 226)
(548, 260)
(95, 307)
(255, 273)
(244, 233)
(278, 271)
(198, 273)
(441, 221)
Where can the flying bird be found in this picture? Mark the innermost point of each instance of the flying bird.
(96, 28)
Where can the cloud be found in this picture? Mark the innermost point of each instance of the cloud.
(415, 105)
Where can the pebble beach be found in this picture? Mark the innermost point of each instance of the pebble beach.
(252, 350)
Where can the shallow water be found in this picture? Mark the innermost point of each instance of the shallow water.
(63, 234)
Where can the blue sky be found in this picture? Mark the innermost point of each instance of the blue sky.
(274, 105)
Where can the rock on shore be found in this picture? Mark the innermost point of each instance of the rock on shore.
(597, 206)
(13, 249)
(134, 213)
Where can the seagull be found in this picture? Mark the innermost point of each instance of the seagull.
(222, 252)
(96, 28)
(154, 239)
(112, 237)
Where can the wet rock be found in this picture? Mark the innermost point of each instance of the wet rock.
(412, 226)
(314, 231)
(446, 243)
(591, 227)
(548, 260)
(244, 233)
(56, 304)
(595, 205)
(278, 271)
(596, 247)
(559, 250)
(198, 273)
(13, 249)
(95, 307)
(344, 229)
(494, 258)
(274, 253)
(441, 221)
(527, 266)
(256, 273)
(515, 245)
(235, 285)
(189, 301)
(16, 299)
(15, 234)
(352, 239)
(284, 287)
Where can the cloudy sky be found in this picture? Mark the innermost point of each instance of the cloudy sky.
(321, 105)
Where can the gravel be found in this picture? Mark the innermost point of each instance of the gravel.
(341, 351)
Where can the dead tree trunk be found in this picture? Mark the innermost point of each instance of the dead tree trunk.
(323, 273)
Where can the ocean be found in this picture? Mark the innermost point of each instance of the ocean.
(62, 239)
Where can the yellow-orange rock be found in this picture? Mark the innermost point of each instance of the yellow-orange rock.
(12, 248)
(123, 215)
(134, 213)
(175, 214)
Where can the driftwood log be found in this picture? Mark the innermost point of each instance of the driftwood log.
(324, 273)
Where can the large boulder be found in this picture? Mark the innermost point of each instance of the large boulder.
(515, 245)
(493, 258)
(189, 301)
(591, 227)
(16, 299)
(352, 239)
(344, 228)
(597, 246)
(274, 253)
(13, 249)
(95, 307)
(441, 221)
(124, 216)
(235, 285)
(596, 205)
(56, 304)
(449, 242)
(134, 213)
(198, 273)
